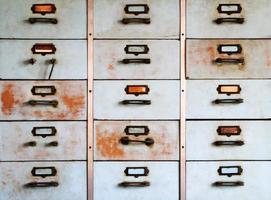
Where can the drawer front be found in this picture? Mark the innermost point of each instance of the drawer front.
(228, 59)
(35, 19)
(43, 59)
(21, 141)
(228, 140)
(136, 140)
(136, 99)
(37, 100)
(136, 59)
(210, 178)
(136, 19)
(228, 19)
(221, 99)
(111, 181)
(43, 180)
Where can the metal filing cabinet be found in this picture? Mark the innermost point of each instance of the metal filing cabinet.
(136, 99)
(43, 89)
(228, 99)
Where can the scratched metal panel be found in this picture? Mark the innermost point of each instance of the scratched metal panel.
(110, 57)
(163, 15)
(70, 14)
(203, 135)
(163, 134)
(207, 103)
(21, 141)
(112, 102)
(244, 59)
(201, 176)
(19, 103)
(201, 17)
(70, 177)
(16, 55)
(163, 178)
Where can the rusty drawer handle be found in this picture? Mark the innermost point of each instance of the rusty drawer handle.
(30, 144)
(228, 101)
(42, 184)
(136, 60)
(34, 20)
(126, 141)
(134, 184)
(230, 61)
(52, 103)
(52, 144)
(228, 183)
(229, 143)
(235, 20)
(136, 102)
(136, 20)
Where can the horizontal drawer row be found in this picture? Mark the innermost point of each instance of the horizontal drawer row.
(43, 180)
(136, 99)
(67, 59)
(228, 180)
(43, 100)
(228, 19)
(25, 141)
(139, 180)
(118, 19)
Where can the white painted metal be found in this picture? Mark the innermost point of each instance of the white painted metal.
(201, 55)
(164, 57)
(201, 175)
(70, 95)
(164, 16)
(163, 178)
(71, 177)
(202, 13)
(107, 146)
(255, 94)
(71, 137)
(202, 134)
(164, 96)
(71, 16)
(71, 60)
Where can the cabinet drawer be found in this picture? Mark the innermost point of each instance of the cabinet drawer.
(136, 19)
(228, 59)
(136, 99)
(228, 140)
(43, 59)
(228, 19)
(136, 59)
(21, 141)
(43, 19)
(43, 180)
(136, 140)
(221, 180)
(37, 100)
(233, 99)
(117, 180)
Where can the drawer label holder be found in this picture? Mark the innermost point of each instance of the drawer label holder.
(230, 171)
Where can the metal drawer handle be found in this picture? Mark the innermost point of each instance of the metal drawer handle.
(126, 141)
(230, 61)
(135, 184)
(229, 143)
(34, 20)
(52, 144)
(41, 184)
(136, 20)
(136, 102)
(235, 20)
(228, 101)
(31, 61)
(30, 144)
(52, 103)
(228, 184)
(136, 60)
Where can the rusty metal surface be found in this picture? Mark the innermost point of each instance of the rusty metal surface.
(107, 135)
(18, 103)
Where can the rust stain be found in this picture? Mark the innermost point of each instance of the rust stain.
(110, 66)
(8, 99)
(74, 104)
